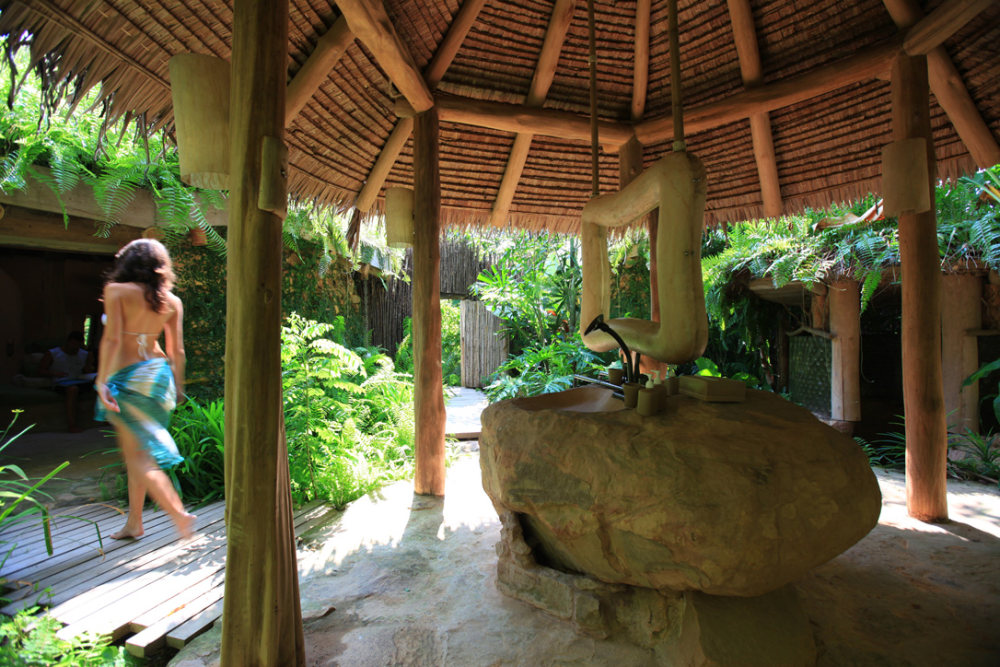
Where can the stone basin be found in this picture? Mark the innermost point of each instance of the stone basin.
(581, 399)
(731, 499)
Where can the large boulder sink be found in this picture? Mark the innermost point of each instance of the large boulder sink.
(734, 499)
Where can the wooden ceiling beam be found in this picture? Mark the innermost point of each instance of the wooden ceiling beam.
(30, 228)
(640, 69)
(79, 202)
(541, 81)
(949, 90)
(369, 22)
(932, 30)
(518, 118)
(745, 38)
(316, 69)
(438, 65)
(867, 64)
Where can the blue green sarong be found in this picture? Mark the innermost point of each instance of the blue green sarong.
(146, 395)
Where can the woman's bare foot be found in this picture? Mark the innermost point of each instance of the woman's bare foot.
(127, 533)
(185, 525)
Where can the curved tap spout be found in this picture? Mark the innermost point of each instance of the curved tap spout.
(598, 324)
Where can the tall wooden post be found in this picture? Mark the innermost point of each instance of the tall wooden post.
(845, 373)
(923, 396)
(428, 386)
(961, 310)
(262, 618)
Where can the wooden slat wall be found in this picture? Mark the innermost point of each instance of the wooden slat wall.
(388, 301)
(484, 346)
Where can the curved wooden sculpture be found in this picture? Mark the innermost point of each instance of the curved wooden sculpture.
(675, 184)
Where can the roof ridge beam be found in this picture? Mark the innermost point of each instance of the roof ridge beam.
(541, 81)
(948, 88)
(439, 64)
(745, 38)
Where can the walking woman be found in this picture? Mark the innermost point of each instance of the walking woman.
(137, 383)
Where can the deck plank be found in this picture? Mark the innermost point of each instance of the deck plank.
(164, 590)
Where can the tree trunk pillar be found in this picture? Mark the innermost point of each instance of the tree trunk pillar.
(428, 395)
(961, 310)
(923, 395)
(844, 298)
(262, 618)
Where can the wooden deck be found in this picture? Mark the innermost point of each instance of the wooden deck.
(158, 589)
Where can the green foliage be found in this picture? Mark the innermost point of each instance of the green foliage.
(41, 139)
(981, 457)
(199, 431)
(404, 351)
(312, 286)
(451, 343)
(534, 287)
(888, 450)
(541, 370)
(348, 416)
(29, 640)
(19, 495)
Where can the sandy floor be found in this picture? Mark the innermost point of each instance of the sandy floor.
(406, 580)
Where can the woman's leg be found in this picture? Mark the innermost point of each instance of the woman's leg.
(144, 475)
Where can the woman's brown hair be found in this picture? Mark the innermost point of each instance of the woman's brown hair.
(146, 262)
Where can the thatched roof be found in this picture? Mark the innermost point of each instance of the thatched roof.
(826, 146)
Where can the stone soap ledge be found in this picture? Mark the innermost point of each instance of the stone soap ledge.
(729, 499)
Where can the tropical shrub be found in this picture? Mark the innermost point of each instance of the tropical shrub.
(348, 418)
(29, 640)
(19, 495)
(451, 343)
(534, 287)
(199, 431)
(542, 370)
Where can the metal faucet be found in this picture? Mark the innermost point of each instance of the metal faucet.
(631, 370)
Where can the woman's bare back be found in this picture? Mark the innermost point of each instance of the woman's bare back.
(133, 322)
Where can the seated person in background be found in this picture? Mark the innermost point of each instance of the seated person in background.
(71, 368)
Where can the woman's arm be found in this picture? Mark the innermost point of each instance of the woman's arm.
(111, 341)
(173, 332)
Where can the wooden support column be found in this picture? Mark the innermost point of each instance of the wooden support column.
(923, 397)
(263, 620)
(845, 373)
(428, 387)
(948, 87)
(961, 310)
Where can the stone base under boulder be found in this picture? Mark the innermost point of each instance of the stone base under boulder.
(682, 628)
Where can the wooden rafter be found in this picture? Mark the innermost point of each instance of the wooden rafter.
(439, 64)
(517, 118)
(745, 37)
(940, 24)
(865, 65)
(640, 69)
(948, 88)
(315, 70)
(370, 24)
(555, 35)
